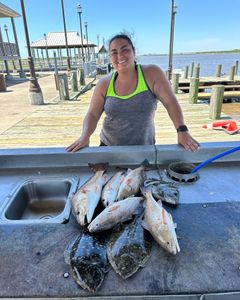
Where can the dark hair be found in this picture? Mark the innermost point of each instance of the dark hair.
(121, 36)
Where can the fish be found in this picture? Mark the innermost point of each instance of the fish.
(86, 199)
(129, 247)
(116, 213)
(159, 223)
(87, 257)
(110, 189)
(130, 185)
(162, 190)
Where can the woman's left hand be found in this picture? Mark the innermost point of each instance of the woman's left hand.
(187, 141)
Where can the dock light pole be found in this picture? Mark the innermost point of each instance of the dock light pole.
(170, 60)
(65, 34)
(35, 92)
(45, 37)
(86, 25)
(79, 11)
(6, 29)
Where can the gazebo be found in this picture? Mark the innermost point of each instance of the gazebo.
(56, 41)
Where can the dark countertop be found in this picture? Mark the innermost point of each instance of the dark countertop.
(208, 227)
(32, 262)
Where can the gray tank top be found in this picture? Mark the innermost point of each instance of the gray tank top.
(129, 119)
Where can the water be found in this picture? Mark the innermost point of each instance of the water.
(208, 61)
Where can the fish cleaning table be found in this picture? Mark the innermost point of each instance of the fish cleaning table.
(208, 227)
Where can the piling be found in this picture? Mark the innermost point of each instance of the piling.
(193, 92)
(191, 69)
(175, 82)
(218, 70)
(56, 71)
(197, 71)
(216, 101)
(185, 72)
(73, 81)
(236, 67)
(232, 73)
(82, 77)
(63, 87)
(2, 83)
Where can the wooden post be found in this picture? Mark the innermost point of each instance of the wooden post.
(2, 83)
(79, 76)
(218, 70)
(232, 73)
(193, 92)
(82, 77)
(236, 67)
(191, 69)
(185, 72)
(216, 101)
(73, 81)
(175, 82)
(63, 87)
(55, 71)
(197, 71)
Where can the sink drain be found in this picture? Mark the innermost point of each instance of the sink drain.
(181, 172)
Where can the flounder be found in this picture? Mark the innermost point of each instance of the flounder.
(87, 258)
(129, 247)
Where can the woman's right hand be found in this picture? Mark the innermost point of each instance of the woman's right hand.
(78, 144)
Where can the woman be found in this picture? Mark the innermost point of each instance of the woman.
(129, 98)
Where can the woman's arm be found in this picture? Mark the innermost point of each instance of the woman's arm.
(92, 117)
(161, 87)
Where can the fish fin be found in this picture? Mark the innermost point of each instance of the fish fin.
(145, 190)
(164, 216)
(89, 215)
(144, 225)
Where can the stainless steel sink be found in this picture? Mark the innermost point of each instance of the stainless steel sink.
(40, 201)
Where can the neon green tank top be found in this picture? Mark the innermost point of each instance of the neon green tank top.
(141, 86)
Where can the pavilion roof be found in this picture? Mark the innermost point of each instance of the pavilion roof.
(56, 40)
(7, 12)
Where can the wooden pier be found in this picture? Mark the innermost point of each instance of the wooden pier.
(58, 123)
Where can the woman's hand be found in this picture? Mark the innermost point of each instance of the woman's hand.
(187, 141)
(78, 144)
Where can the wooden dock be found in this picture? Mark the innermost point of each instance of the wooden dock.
(58, 123)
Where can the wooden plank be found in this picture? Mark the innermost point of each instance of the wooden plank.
(59, 123)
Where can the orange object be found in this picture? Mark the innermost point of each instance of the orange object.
(229, 126)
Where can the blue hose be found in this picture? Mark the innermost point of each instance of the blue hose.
(214, 158)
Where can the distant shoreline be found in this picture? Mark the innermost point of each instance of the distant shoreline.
(187, 53)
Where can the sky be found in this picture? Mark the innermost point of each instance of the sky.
(200, 25)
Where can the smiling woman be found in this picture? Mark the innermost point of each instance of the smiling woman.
(129, 98)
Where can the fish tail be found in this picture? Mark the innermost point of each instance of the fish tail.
(145, 164)
(98, 167)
